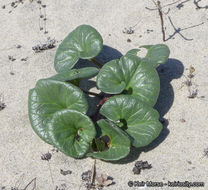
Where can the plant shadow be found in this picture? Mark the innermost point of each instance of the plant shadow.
(173, 69)
(107, 54)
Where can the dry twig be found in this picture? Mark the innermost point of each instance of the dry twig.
(196, 2)
(178, 30)
(93, 173)
(159, 8)
(161, 19)
(33, 181)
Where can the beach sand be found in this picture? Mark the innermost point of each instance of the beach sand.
(177, 154)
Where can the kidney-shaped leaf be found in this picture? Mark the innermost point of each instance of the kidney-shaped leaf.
(130, 73)
(71, 132)
(119, 145)
(157, 54)
(50, 96)
(87, 72)
(82, 43)
(138, 120)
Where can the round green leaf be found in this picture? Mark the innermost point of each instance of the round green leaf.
(157, 54)
(87, 72)
(131, 74)
(50, 96)
(119, 145)
(138, 120)
(71, 132)
(110, 78)
(82, 43)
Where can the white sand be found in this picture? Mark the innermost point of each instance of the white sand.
(21, 148)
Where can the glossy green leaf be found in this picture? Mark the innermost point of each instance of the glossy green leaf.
(133, 52)
(71, 132)
(87, 72)
(110, 78)
(82, 43)
(50, 96)
(157, 54)
(119, 145)
(135, 76)
(138, 120)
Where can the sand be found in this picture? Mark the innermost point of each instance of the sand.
(178, 153)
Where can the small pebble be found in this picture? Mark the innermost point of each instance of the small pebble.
(182, 120)
(148, 31)
(86, 175)
(129, 30)
(65, 172)
(128, 40)
(136, 170)
(18, 46)
(46, 156)
(11, 58)
(140, 165)
(24, 59)
(13, 4)
(189, 162)
(2, 106)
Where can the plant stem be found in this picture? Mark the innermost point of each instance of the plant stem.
(96, 63)
(92, 93)
(95, 117)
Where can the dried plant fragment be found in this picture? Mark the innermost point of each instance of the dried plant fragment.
(51, 43)
(46, 156)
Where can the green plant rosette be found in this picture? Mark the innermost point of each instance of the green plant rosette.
(58, 108)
